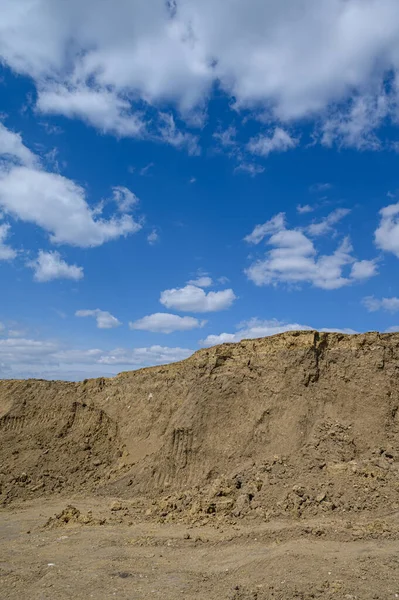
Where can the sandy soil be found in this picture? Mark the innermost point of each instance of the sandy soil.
(129, 557)
(267, 469)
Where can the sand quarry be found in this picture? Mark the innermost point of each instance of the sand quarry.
(267, 469)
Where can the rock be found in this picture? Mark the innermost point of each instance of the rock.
(241, 505)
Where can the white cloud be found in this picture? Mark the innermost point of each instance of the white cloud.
(280, 141)
(49, 265)
(103, 318)
(112, 113)
(275, 224)
(226, 138)
(320, 187)
(292, 59)
(170, 134)
(202, 281)
(24, 358)
(13, 148)
(223, 280)
(99, 107)
(59, 206)
(389, 304)
(256, 328)
(304, 209)
(387, 233)
(56, 203)
(154, 355)
(16, 333)
(124, 198)
(251, 168)
(363, 269)
(346, 330)
(326, 224)
(293, 259)
(145, 170)
(393, 329)
(355, 127)
(6, 252)
(153, 237)
(193, 299)
(166, 323)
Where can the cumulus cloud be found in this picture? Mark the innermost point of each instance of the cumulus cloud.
(257, 328)
(373, 304)
(104, 319)
(326, 224)
(387, 233)
(166, 323)
(6, 252)
(259, 233)
(55, 203)
(49, 265)
(202, 281)
(124, 198)
(13, 148)
(280, 141)
(59, 206)
(24, 358)
(291, 60)
(294, 259)
(99, 107)
(193, 299)
(363, 269)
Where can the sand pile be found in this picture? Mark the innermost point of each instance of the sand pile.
(298, 424)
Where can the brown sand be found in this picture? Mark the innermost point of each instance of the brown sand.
(276, 459)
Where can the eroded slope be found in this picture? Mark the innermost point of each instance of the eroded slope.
(294, 424)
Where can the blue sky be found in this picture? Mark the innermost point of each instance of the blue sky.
(179, 174)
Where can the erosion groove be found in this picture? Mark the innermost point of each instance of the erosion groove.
(294, 425)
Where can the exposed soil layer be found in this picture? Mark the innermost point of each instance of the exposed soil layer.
(298, 424)
(300, 429)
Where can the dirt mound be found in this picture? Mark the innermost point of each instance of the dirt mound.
(51, 442)
(298, 424)
(71, 515)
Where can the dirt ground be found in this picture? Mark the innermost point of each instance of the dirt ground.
(109, 552)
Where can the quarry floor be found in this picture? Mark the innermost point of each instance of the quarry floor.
(137, 558)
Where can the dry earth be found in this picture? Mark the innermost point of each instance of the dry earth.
(265, 469)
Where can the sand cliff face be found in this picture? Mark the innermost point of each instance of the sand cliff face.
(294, 424)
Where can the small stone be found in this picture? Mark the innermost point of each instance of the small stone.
(299, 490)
